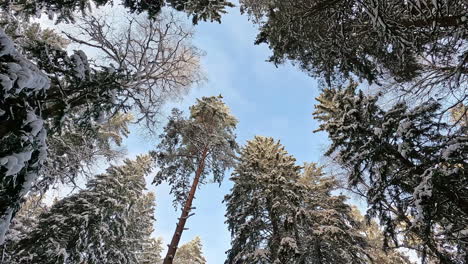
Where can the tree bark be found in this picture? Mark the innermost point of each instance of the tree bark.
(185, 212)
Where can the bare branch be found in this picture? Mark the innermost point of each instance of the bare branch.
(157, 56)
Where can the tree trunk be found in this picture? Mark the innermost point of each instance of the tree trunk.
(185, 212)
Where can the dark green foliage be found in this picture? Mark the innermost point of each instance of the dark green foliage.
(209, 131)
(23, 146)
(191, 149)
(107, 222)
(77, 104)
(200, 10)
(409, 165)
(374, 40)
(75, 97)
(24, 222)
(276, 214)
(328, 231)
(262, 205)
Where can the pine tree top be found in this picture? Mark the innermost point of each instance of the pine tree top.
(214, 111)
(190, 253)
(206, 135)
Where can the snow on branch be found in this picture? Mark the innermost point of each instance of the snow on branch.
(24, 147)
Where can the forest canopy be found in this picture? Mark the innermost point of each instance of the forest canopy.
(388, 185)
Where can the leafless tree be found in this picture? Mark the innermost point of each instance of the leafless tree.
(156, 54)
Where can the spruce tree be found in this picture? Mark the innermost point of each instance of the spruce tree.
(105, 223)
(328, 230)
(140, 228)
(262, 204)
(74, 152)
(23, 146)
(190, 150)
(375, 239)
(276, 214)
(151, 253)
(422, 41)
(190, 253)
(25, 221)
(410, 165)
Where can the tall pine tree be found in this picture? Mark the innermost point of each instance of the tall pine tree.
(191, 149)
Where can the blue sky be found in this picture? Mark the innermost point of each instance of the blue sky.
(267, 101)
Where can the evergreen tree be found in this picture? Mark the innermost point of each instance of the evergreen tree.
(73, 153)
(105, 223)
(24, 150)
(50, 96)
(25, 221)
(191, 149)
(190, 253)
(35, 114)
(409, 165)
(328, 230)
(422, 40)
(375, 239)
(147, 249)
(151, 253)
(278, 215)
(64, 10)
(262, 205)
